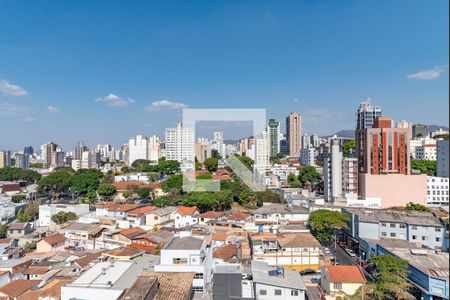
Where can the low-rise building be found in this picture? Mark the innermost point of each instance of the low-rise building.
(341, 281)
(186, 216)
(46, 211)
(160, 216)
(188, 254)
(80, 235)
(437, 191)
(276, 214)
(16, 288)
(276, 283)
(51, 243)
(18, 230)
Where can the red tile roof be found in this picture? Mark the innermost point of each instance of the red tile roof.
(140, 211)
(17, 287)
(212, 214)
(124, 252)
(225, 252)
(345, 274)
(54, 239)
(36, 270)
(219, 237)
(124, 185)
(187, 211)
(238, 216)
(132, 232)
(146, 248)
(86, 260)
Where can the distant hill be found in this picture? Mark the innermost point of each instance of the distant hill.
(348, 133)
(432, 128)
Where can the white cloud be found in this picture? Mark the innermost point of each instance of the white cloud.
(114, 100)
(53, 109)
(165, 104)
(295, 100)
(429, 74)
(21, 112)
(10, 89)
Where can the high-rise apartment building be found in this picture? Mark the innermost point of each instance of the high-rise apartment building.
(154, 148)
(366, 114)
(283, 144)
(28, 150)
(383, 149)
(333, 172)
(5, 158)
(306, 141)
(315, 140)
(273, 131)
(442, 158)
(218, 144)
(104, 150)
(262, 154)
(350, 177)
(22, 161)
(180, 144)
(57, 158)
(294, 134)
(79, 149)
(47, 150)
(202, 150)
(137, 148)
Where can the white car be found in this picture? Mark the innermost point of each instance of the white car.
(350, 252)
(327, 250)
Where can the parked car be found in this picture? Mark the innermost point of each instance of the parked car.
(350, 252)
(308, 272)
(327, 250)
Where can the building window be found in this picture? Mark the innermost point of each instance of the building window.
(413, 227)
(277, 292)
(414, 237)
(392, 234)
(198, 276)
(393, 225)
(402, 225)
(437, 229)
(383, 224)
(263, 292)
(424, 238)
(337, 285)
(197, 289)
(294, 292)
(438, 239)
(179, 261)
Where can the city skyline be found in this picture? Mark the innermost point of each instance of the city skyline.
(107, 74)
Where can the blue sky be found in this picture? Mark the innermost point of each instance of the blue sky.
(105, 70)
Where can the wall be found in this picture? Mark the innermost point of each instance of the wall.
(394, 189)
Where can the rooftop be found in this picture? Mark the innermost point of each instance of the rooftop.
(17, 287)
(17, 226)
(428, 261)
(164, 211)
(75, 226)
(273, 208)
(187, 211)
(140, 211)
(132, 232)
(51, 290)
(264, 274)
(124, 253)
(298, 240)
(345, 274)
(173, 286)
(407, 217)
(225, 252)
(212, 214)
(184, 243)
(54, 239)
(111, 206)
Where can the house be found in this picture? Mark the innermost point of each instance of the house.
(125, 236)
(52, 290)
(9, 188)
(188, 254)
(226, 254)
(276, 214)
(81, 235)
(211, 215)
(341, 281)
(15, 265)
(276, 283)
(150, 242)
(137, 216)
(35, 272)
(186, 216)
(114, 210)
(293, 251)
(17, 287)
(171, 285)
(125, 254)
(17, 230)
(52, 243)
(124, 186)
(218, 239)
(160, 216)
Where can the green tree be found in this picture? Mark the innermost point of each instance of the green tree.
(391, 277)
(162, 201)
(267, 196)
(349, 147)
(145, 192)
(324, 223)
(204, 176)
(174, 182)
(416, 207)
(29, 247)
(309, 177)
(211, 164)
(15, 174)
(141, 165)
(425, 166)
(168, 166)
(277, 159)
(106, 190)
(37, 165)
(293, 181)
(85, 181)
(18, 198)
(23, 217)
(247, 161)
(3, 230)
(204, 201)
(63, 217)
(56, 182)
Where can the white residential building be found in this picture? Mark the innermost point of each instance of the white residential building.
(218, 144)
(333, 172)
(46, 211)
(137, 148)
(262, 153)
(442, 158)
(308, 156)
(423, 148)
(350, 178)
(188, 254)
(186, 216)
(437, 191)
(180, 145)
(142, 177)
(276, 175)
(154, 148)
(103, 149)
